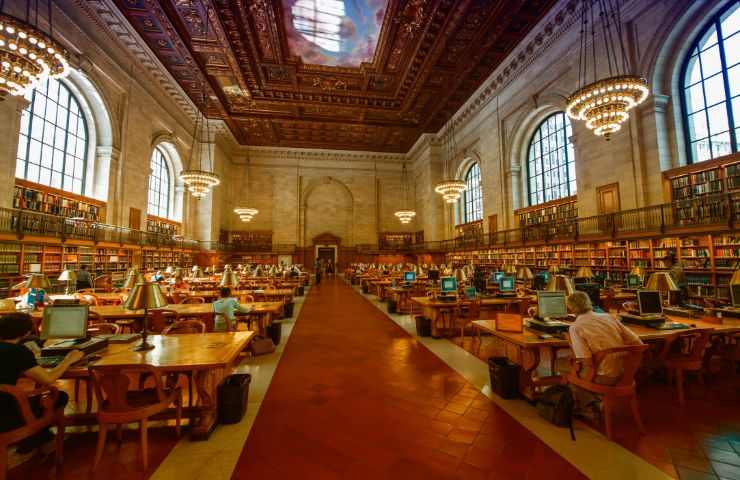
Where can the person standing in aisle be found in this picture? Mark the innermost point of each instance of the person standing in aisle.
(317, 268)
(83, 278)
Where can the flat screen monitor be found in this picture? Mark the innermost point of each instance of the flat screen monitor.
(633, 281)
(735, 293)
(409, 276)
(471, 293)
(496, 277)
(551, 304)
(540, 281)
(433, 275)
(507, 284)
(448, 285)
(649, 302)
(65, 322)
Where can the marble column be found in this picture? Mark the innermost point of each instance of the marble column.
(10, 124)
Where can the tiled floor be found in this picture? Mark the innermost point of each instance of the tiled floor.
(356, 397)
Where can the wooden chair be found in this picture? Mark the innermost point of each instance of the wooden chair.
(631, 356)
(32, 424)
(684, 352)
(89, 298)
(105, 329)
(118, 405)
(246, 299)
(161, 318)
(628, 307)
(93, 318)
(192, 300)
(103, 283)
(466, 316)
(185, 327)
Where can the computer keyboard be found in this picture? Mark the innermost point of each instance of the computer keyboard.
(49, 362)
(656, 317)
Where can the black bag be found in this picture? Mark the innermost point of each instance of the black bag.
(232, 398)
(275, 332)
(556, 406)
(423, 326)
(288, 309)
(504, 377)
(392, 306)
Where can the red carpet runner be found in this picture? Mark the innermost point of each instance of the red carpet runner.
(356, 397)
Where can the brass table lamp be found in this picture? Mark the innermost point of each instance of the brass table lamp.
(560, 283)
(145, 295)
(70, 277)
(132, 278)
(510, 269)
(584, 272)
(664, 283)
(554, 269)
(229, 279)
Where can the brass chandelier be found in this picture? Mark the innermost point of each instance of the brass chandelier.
(451, 189)
(27, 54)
(604, 103)
(246, 214)
(405, 214)
(199, 181)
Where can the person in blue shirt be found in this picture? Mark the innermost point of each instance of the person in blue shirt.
(225, 307)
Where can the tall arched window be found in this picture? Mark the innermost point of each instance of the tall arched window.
(551, 169)
(473, 195)
(52, 148)
(710, 85)
(159, 185)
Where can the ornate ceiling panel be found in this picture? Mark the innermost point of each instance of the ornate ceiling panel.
(242, 56)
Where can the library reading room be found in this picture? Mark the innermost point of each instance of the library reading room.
(370, 239)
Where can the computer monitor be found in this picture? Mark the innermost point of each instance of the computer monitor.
(649, 302)
(735, 294)
(471, 293)
(448, 285)
(540, 281)
(496, 277)
(65, 322)
(507, 284)
(633, 281)
(551, 304)
(409, 276)
(433, 275)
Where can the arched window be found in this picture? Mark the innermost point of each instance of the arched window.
(473, 195)
(53, 143)
(159, 185)
(551, 169)
(710, 85)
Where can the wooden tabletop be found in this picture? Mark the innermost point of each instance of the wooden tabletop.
(530, 339)
(179, 352)
(272, 292)
(430, 302)
(105, 297)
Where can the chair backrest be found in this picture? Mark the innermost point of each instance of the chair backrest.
(185, 327)
(112, 382)
(246, 299)
(522, 306)
(473, 310)
(630, 306)
(691, 343)
(30, 422)
(103, 283)
(94, 318)
(188, 300)
(630, 356)
(107, 328)
(89, 298)
(161, 318)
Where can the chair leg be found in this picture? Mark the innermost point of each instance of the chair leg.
(144, 426)
(679, 387)
(635, 406)
(119, 434)
(77, 389)
(3, 461)
(190, 388)
(88, 395)
(178, 417)
(101, 444)
(59, 454)
(608, 417)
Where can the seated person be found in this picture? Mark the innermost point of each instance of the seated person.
(158, 276)
(17, 361)
(224, 307)
(593, 332)
(180, 284)
(83, 278)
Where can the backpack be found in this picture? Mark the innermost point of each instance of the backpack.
(556, 406)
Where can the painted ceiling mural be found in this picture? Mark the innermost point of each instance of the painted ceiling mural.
(333, 32)
(368, 75)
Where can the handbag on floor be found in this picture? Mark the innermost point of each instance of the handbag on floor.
(556, 406)
(261, 346)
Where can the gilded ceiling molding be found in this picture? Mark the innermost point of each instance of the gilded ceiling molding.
(315, 154)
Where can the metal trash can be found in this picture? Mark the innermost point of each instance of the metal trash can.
(301, 291)
(365, 288)
(504, 377)
(288, 310)
(423, 326)
(392, 306)
(275, 332)
(232, 398)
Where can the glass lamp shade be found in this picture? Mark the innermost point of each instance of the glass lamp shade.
(229, 279)
(638, 270)
(197, 272)
(560, 283)
(524, 273)
(554, 269)
(510, 269)
(133, 277)
(584, 272)
(169, 270)
(38, 281)
(145, 295)
(460, 275)
(662, 282)
(68, 276)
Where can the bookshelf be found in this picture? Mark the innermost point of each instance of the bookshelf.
(162, 226)
(157, 259)
(51, 201)
(394, 240)
(470, 230)
(560, 210)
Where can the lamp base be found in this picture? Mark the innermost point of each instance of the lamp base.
(144, 347)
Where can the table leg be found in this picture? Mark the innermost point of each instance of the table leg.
(207, 382)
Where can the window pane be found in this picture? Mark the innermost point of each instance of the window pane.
(721, 144)
(714, 88)
(718, 121)
(553, 170)
(710, 62)
(46, 120)
(731, 21)
(695, 98)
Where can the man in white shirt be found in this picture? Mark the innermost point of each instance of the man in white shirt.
(591, 333)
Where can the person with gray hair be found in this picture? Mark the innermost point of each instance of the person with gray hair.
(591, 333)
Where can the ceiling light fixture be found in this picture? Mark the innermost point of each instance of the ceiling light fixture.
(604, 103)
(27, 54)
(452, 188)
(405, 214)
(246, 214)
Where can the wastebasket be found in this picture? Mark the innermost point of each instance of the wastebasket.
(301, 291)
(232, 398)
(504, 377)
(288, 310)
(392, 306)
(423, 326)
(275, 332)
(365, 288)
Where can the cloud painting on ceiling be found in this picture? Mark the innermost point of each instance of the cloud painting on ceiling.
(334, 32)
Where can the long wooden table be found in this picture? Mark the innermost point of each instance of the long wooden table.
(106, 298)
(437, 310)
(266, 311)
(209, 356)
(525, 348)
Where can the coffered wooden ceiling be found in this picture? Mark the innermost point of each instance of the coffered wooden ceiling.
(430, 57)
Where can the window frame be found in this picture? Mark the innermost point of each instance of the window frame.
(469, 198)
(566, 142)
(714, 21)
(29, 136)
(160, 154)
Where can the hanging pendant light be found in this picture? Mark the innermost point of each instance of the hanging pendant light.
(604, 103)
(246, 214)
(405, 214)
(28, 55)
(451, 189)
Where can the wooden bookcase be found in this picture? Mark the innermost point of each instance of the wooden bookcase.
(560, 210)
(470, 230)
(51, 201)
(394, 240)
(159, 259)
(163, 226)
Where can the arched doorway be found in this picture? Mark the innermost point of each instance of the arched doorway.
(326, 248)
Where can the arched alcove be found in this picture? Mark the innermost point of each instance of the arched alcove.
(327, 206)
